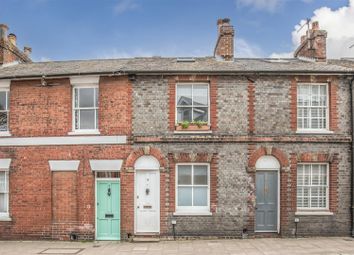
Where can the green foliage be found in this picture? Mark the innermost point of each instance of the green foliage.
(185, 124)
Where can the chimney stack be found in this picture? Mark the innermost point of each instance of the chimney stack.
(12, 38)
(9, 53)
(3, 32)
(314, 44)
(224, 48)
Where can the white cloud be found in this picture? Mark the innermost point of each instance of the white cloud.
(45, 59)
(339, 26)
(244, 49)
(267, 5)
(115, 53)
(125, 5)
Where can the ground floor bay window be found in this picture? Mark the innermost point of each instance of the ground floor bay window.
(312, 187)
(192, 189)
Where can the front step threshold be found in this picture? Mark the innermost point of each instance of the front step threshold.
(146, 238)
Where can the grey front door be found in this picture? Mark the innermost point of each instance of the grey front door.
(267, 201)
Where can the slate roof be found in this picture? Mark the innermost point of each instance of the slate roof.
(162, 65)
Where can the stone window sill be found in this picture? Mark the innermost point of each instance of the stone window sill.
(5, 133)
(5, 218)
(313, 213)
(85, 132)
(314, 131)
(193, 132)
(192, 214)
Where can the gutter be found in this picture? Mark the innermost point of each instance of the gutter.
(171, 73)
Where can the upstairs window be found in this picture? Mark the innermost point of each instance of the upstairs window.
(85, 108)
(312, 107)
(192, 102)
(4, 110)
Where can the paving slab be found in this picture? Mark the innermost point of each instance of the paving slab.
(265, 246)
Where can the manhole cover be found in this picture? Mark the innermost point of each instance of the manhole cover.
(61, 251)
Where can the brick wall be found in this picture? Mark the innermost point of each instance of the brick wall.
(45, 204)
(47, 111)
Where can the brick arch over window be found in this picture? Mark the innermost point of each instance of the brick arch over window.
(147, 150)
(270, 151)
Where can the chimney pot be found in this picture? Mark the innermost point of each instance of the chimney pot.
(3, 31)
(27, 51)
(12, 38)
(315, 25)
(303, 38)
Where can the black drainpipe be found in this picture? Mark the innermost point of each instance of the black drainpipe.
(352, 149)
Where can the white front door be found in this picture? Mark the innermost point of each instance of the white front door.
(147, 191)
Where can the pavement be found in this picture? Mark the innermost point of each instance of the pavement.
(268, 246)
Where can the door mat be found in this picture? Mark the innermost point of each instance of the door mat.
(57, 251)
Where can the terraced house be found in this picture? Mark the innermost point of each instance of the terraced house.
(207, 146)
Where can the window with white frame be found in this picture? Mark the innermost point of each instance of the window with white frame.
(312, 107)
(85, 108)
(192, 102)
(4, 110)
(4, 192)
(312, 186)
(192, 188)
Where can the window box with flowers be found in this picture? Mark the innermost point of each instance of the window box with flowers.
(192, 126)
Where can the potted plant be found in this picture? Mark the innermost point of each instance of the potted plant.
(197, 125)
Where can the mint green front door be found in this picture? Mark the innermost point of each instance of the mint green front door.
(108, 210)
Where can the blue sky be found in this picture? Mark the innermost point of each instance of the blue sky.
(78, 29)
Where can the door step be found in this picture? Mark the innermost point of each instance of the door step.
(146, 239)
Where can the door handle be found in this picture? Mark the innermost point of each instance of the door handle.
(138, 207)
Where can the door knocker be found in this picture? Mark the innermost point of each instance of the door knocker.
(109, 192)
(147, 191)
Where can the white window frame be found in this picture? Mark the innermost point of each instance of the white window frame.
(84, 131)
(4, 215)
(192, 106)
(192, 210)
(313, 130)
(327, 189)
(7, 90)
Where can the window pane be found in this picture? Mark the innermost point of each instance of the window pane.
(76, 97)
(184, 175)
(200, 114)
(86, 97)
(2, 182)
(184, 196)
(184, 95)
(3, 121)
(200, 175)
(200, 95)
(3, 203)
(87, 119)
(200, 196)
(96, 97)
(184, 114)
(3, 104)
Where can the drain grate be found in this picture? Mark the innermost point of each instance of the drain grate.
(57, 251)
